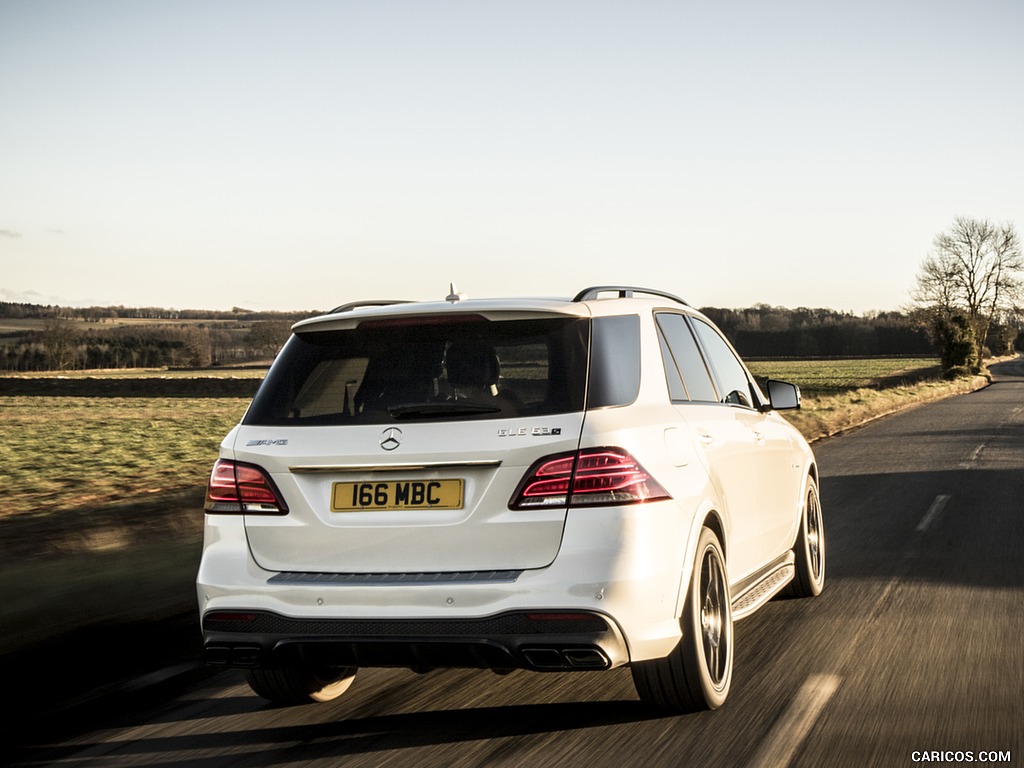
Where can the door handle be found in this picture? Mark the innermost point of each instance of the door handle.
(706, 439)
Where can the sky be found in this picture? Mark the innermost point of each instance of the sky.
(298, 154)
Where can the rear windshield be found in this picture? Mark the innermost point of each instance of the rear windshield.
(429, 369)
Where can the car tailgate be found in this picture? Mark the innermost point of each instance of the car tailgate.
(437, 501)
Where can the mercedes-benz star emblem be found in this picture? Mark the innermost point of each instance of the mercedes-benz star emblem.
(390, 438)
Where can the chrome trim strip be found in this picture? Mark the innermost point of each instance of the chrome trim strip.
(314, 469)
(396, 579)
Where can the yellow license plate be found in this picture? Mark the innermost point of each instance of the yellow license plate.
(397, 494)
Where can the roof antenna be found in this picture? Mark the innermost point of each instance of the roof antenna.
(453, 294)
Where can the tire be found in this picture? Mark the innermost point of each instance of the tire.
(299, 685)
(809, 548)
(697, 674)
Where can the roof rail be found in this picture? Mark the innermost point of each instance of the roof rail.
(624, 292)
(373, 303)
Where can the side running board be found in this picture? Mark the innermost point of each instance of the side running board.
(754, 591)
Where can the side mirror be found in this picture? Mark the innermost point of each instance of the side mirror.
(783, 396)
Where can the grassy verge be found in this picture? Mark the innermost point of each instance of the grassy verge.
(123, 585)
(103, 516)
(824, 415)
(841, 394)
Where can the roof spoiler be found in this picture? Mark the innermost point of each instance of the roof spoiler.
(372, 303)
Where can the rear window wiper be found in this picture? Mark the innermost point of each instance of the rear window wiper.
(440, 410)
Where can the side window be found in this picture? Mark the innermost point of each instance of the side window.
(676, 388)
(732, 377)
(688, 377)
(614, 361)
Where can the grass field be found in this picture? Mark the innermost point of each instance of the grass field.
(59, 453)
(827, 377)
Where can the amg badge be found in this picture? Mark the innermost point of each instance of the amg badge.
(530, 432)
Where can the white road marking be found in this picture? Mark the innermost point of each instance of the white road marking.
(796, 722)
(933, 511)
(969, 462)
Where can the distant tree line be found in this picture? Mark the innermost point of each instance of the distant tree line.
(61, 346)
(22, 311)
(60, 343)
(761, 331)
(766, 331)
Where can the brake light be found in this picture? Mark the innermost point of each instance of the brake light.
(421, 320)
(236, 488)
(586, 478)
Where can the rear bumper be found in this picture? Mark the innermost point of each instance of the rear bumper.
(535, 640)
(622, 565)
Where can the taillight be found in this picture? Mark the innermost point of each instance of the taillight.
(591, 477)
(237, 488)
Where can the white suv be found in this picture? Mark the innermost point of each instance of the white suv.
(549, 485)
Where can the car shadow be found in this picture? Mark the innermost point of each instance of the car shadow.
(876, 526)
(356, 735)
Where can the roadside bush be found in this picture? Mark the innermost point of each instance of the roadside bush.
(956, 340)
(957, 372)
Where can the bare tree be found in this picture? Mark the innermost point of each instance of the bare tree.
(266, 337)
(197, 343)
(60, 340)
(975, 269)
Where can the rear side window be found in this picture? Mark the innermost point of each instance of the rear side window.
(614, 361)
(447, 368)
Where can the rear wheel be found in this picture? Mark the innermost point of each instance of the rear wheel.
(809, 549)
(697, 674)
(300, 685)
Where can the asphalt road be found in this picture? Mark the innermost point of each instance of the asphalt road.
(914, 654)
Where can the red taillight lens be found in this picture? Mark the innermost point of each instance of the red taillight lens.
(237, 488)
(596, 476)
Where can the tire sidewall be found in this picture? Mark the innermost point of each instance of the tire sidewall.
(714, 693)
(812, 583)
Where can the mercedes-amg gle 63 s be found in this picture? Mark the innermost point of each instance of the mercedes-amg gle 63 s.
(549, 485)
